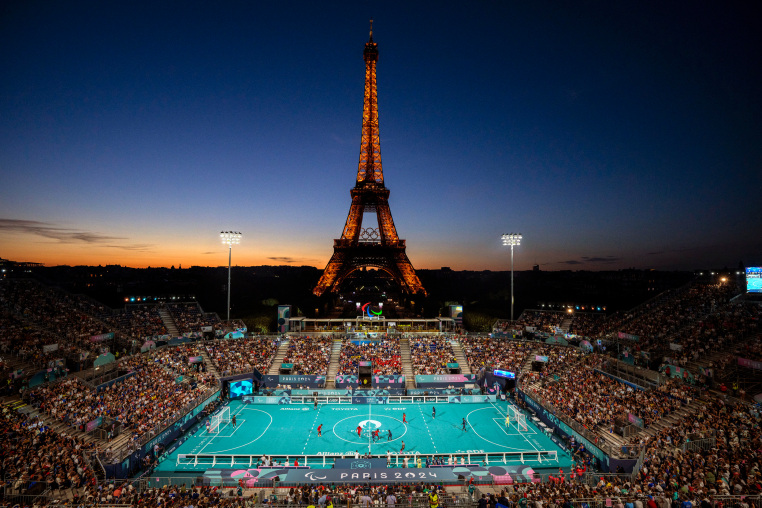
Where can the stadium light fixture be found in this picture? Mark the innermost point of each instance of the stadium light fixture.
(512, 239)
(230, 238)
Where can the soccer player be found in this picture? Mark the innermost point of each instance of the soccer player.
(359, 431)
(508, 420)
(320, 430)
(389, 435)
(315, 403)
(464, 425)
(375, 435)
(403, 446)
(403, 418)
(433, 412)
(232, 420)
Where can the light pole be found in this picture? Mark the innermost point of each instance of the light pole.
(230, 238)
(512, 239)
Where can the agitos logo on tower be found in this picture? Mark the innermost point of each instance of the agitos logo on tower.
(372, 314)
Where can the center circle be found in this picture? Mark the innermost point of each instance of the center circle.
(343, 427)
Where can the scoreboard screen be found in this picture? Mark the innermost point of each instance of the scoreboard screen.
(754, 279)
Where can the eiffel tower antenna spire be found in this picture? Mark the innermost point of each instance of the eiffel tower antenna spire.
(361, 247)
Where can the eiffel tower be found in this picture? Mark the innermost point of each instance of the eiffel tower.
(360, 247)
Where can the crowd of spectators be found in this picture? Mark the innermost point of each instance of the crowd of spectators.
(189, 319)
(483, 353)
(49, 317)
(184, 360)
(655, 321)
(430, 355)
(715, 332)
(597, 400)
(139, 403)
(542, 320)
(142, 321)
(384, 353)
(33, 453)
(241, 355)
(309, 355)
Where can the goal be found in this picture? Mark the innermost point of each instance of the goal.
(518, 417)
(216, 420)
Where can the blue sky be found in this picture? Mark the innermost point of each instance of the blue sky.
(611, 134)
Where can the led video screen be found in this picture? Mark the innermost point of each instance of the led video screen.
(241, 387)
(754, 279)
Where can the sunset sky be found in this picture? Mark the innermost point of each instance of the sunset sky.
(611, 134)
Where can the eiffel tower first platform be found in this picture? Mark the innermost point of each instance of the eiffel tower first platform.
(360, 247)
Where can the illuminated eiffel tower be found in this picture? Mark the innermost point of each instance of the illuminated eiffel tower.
(360, 247)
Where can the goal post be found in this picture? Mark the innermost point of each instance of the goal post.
(518, 417)
(218, 419)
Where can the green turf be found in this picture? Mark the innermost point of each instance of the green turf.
(291, 430)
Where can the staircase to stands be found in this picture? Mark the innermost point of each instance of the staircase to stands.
(169, 322)
(465, 368)
(333, 366)
(407, 363)
(280, 354)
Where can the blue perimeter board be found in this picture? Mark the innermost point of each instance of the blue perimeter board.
(291, 430)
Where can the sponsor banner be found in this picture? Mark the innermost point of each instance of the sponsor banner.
(437, 391)
(206, 328)
(254, 399)
(385, 391)
(346, 381)
(540, 358)
(628, 336)
(370, 400)
(392, 381)
(102, 337)
(195, 359)
(374, 475)
(675, 347)
(458, 380)
(17, 373)
(752, 364)
(311, 381)
(474, 398)
(92, 425)
(360, 464)
(50, 348)
(530, 329)
(322, 393)
(635, 420)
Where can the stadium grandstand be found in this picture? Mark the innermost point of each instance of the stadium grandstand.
(165, 405)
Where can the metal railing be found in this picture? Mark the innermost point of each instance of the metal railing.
(550, 457)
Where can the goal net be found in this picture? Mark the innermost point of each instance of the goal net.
(218, 419)
(518, 417)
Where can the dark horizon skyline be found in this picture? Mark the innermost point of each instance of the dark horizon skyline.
(611, 135)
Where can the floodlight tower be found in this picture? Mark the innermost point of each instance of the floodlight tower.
(512, 239)
(230, 238)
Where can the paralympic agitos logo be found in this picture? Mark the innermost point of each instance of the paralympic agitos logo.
(370, 312)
